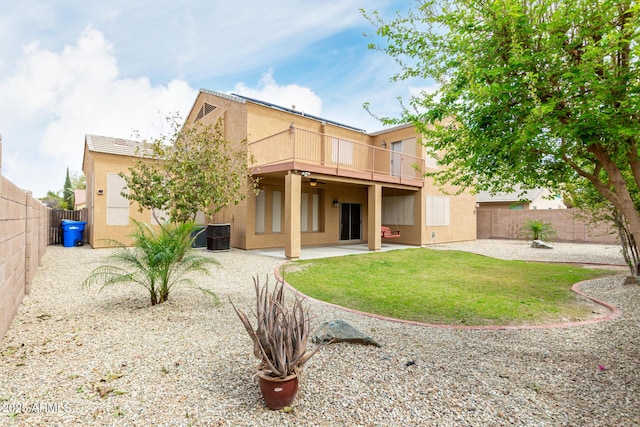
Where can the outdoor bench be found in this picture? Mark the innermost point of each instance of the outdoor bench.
(388, 234)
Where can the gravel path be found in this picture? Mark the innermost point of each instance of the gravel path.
(561, 252)
(188, 362)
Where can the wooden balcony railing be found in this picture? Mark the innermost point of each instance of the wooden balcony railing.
(315, 152)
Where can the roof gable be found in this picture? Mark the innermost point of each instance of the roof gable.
(244, 99)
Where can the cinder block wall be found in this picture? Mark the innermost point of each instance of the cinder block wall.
(23, 241)
(569, 226)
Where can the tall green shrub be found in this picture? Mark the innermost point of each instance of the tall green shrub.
(67, 192)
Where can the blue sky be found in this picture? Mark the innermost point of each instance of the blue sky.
(69, 68)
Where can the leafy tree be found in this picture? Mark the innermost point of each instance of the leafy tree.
(52, 200)
(595, 209)
(159, 261)
(192, 169)
(78, 181)
(67, 192)
(533, 92)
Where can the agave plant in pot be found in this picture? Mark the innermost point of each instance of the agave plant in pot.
(279, 342)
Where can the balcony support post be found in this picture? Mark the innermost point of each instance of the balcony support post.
(292, 195)
(374, 217)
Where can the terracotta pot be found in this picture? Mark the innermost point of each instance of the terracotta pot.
(278, 392)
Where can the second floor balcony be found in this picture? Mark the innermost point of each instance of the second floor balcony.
(301, 149)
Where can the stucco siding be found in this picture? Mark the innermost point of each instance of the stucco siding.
(98, 166)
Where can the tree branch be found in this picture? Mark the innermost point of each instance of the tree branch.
(602, 187)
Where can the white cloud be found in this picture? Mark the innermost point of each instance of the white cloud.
(418, 91)
(52, 99)
(60, 79)
(260, 32)
(303, 98)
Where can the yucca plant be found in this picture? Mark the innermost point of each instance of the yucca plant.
(159, 261)
(281, 334)
(538, 230)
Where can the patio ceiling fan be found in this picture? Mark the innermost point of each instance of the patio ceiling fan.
(313, 182)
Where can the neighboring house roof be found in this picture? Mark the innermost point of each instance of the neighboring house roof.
(111, 145)
(243, 99)
(80, 196)
(387, 130)
(518, 196)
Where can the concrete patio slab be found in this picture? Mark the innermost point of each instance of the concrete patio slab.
(313, 252)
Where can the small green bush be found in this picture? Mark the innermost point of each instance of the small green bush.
(537, 230)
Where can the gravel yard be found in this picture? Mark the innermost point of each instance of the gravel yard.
(77, 357)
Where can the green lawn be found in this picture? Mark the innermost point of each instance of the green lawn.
(446, 287)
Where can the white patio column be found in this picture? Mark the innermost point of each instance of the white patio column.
(374, 217)
(292, 191)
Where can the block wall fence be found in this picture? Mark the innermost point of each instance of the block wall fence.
(24, 223)
(569, 227)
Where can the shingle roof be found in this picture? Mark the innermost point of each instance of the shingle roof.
(111, 145)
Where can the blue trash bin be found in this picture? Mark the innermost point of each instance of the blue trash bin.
(72, 233)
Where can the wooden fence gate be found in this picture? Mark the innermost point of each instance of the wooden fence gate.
(57, 215)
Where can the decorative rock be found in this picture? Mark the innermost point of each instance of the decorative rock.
(536, 377)
(540, 244)
(340, 331)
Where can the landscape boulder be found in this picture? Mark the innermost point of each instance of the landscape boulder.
(340, 331)
(540, 244)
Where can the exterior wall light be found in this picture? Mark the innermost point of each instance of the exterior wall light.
(336, 203)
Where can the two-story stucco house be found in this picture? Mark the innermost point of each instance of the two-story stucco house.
(321, 182)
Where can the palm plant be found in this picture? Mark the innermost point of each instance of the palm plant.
(159, 261)
(280, 336)
(538, 230)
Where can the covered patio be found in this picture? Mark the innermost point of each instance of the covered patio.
(340, 184)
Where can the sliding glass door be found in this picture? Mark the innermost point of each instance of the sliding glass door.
(350, 221)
